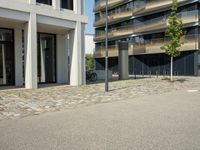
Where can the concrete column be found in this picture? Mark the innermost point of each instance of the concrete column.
(18, 57)
(31, 53)
(62, 59)
(77, 64)
(78, 4)
(83, 63)
(56, 4)
(42, 59)
(123, 61)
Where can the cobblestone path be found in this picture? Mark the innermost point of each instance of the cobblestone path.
(19, 103)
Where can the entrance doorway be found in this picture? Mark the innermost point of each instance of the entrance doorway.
(46, 58)
(7, 69)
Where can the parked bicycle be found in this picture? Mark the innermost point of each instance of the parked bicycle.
(91, 76)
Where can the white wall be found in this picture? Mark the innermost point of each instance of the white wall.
(62, 59)
(89, 44)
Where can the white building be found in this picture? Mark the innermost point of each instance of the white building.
(42, 41)
(89, 44)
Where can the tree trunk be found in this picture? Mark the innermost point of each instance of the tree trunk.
(171, 69)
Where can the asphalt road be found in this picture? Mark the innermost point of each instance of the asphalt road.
(158, 122)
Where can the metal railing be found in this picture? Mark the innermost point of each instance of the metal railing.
(151, 4)
(114, 32)
(161, 22)
(191, 42)
(102, 4)
(113, 16)
(149, 25)
(100, 51)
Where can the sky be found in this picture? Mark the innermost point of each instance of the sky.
(89, 12)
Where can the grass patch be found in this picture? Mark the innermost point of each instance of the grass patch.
(166, 78)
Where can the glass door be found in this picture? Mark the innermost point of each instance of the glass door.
(7, 72)
(46, 58)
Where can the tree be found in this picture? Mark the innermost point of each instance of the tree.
(89, 62)
(174, 32)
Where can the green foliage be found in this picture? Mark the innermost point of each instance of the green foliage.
(166, 78)
(173, 32)
(89, 62)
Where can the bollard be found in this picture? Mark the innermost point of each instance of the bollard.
(123, 61)
(150, 74)
(157, 74)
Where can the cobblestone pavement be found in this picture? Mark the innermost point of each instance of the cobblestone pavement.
(19, 103)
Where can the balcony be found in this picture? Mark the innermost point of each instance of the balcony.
(191, 42)
(124, 13)
(114, 33)
(101, 4)
(100, 51)
(152, 5)
(112, 51)
(161, 22)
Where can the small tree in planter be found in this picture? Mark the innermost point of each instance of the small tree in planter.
(89, 62)
(173, 32)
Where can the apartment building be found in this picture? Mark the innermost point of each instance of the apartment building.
(42, 41)
(142, 23)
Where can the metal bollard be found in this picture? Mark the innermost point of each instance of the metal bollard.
(150, 74)
(164, 73)
(157, 74)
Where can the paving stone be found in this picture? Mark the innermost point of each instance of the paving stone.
(22, 103)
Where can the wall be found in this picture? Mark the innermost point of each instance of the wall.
(89, 44)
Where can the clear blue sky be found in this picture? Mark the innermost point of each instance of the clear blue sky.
(89, 12)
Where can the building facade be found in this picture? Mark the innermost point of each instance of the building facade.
(89, 44)
(143, 23)
(42, 41)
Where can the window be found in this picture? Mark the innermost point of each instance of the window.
(7, 61)
(47, 2)
(67, 4)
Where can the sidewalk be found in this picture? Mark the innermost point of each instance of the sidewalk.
(21, 103)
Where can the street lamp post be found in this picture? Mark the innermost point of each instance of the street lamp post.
(106, 50)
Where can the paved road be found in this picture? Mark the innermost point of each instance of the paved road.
(157, 122)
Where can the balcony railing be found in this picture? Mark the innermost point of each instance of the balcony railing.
(147, 26)
(115, 32)
(139, 6)
(151, 5)
(161, 22)
(191, 42)
(101, 4)
(100, 51)
(123, 13)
